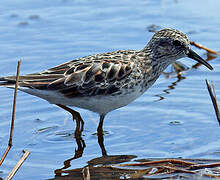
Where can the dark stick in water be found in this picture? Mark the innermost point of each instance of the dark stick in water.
(214, 99)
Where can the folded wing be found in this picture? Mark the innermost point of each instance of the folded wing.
(78, 78)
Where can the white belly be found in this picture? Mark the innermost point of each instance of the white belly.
(99, 104)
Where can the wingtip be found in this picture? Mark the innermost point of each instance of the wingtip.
(4, 81)
(1, 78)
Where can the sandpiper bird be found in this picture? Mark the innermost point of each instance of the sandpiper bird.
(104, 82)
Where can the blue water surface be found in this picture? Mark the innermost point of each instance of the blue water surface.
(46, 33)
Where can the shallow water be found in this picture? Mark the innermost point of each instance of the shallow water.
(45, 33)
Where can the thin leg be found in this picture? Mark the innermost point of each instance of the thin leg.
(101, 120)
(77, 117)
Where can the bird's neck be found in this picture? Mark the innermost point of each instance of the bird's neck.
(158, 64)
(153, 67)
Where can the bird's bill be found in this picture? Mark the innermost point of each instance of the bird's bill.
(196, 57)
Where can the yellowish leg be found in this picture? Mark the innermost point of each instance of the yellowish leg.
(77, 117)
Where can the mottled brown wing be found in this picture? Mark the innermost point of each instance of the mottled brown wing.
(79, 78)
(92, 78)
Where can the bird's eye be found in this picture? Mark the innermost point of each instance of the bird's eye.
(177, 43)
(164, 43)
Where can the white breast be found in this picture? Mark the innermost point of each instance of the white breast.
(99, 104)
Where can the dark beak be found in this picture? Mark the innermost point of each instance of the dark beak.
(196, 57)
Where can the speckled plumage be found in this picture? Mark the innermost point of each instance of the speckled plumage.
(104, 82)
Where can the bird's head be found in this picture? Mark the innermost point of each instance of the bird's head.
(170, 45)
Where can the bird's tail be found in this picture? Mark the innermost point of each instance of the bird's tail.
(37, 81)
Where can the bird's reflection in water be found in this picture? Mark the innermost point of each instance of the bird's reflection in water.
(78, 153)
(63, 173)
(80, 148)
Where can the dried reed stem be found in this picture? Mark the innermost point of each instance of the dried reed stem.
(18, 165)
(13, 115)
(204, 48)
(149, 163)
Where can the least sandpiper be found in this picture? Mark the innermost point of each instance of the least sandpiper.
(104, 82)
